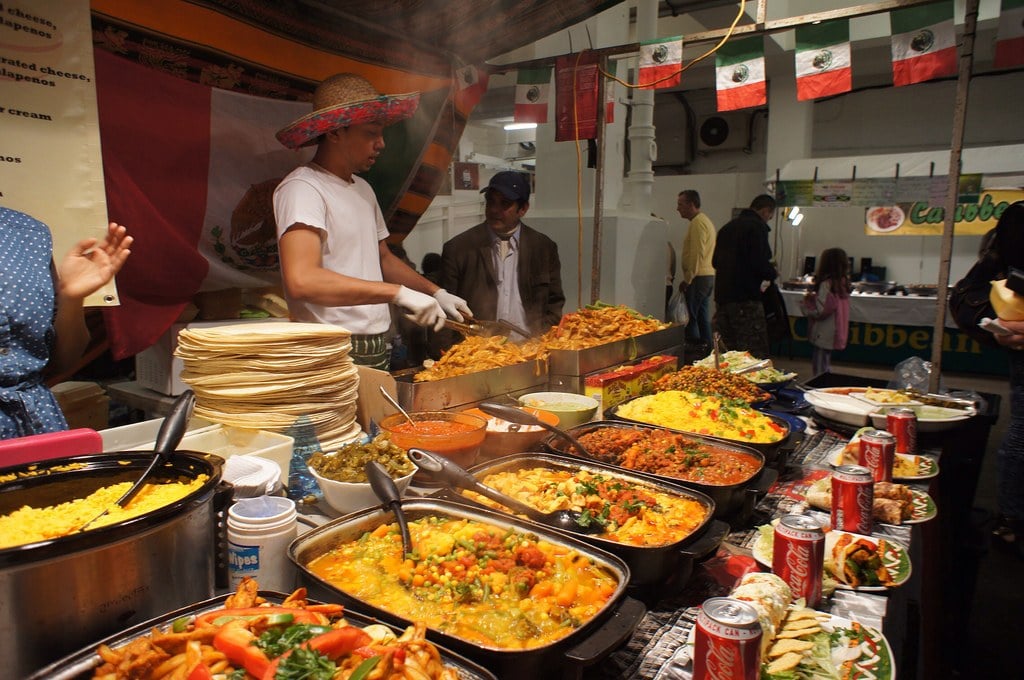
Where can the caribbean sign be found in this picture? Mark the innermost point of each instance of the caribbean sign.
(925, 218)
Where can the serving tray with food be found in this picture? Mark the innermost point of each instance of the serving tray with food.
(892, 503)
(905, 468)
(855, 562)
(799, 643)
(264, 634)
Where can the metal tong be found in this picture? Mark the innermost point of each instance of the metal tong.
(484, 329)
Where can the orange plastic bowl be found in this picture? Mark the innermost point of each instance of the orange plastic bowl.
(456, 436)
(500, 442)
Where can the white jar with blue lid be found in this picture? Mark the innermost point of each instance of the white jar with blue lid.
(259, 532)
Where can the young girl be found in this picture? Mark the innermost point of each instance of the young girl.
(828, 308)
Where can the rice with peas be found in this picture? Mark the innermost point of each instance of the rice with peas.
(30, 525)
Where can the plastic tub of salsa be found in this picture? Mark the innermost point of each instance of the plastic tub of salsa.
(454, 435)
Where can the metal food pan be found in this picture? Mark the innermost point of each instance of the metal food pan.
(468, 389)
(580, 362)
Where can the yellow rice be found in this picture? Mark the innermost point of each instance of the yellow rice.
(29, 525)
(708, 415)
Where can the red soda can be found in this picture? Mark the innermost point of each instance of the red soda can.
(727, 641)
(902, 424)
(798, 556)
(877, 453)
(853, 493)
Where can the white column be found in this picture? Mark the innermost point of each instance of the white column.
(636, 190)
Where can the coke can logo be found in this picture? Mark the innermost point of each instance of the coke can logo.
(865, 499)
(798, 563)
(722, 662)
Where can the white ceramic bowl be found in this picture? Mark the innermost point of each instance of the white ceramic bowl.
(572, 409)
(346, 497)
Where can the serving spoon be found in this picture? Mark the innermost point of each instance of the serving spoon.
(394, 402)
(518, 415)
(167, 440)
(444, 470)
(388, 494)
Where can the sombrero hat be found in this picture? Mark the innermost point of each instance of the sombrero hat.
(346, 99)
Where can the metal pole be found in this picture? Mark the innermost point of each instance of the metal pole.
(963, 83)
(602, 124)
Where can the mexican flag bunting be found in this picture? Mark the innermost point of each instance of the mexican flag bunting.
(661, 62)
(532, 93)
(739, 74)
(823, 59)
(471, 85)
(923, 43)
(1010, 35)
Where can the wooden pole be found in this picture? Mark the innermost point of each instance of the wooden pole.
(602, 124)
(963, 83)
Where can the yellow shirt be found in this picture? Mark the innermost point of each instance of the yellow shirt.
(698, 247)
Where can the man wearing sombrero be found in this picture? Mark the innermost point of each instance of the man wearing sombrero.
(335, 264)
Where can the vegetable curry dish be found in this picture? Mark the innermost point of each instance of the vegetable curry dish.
(492, 586)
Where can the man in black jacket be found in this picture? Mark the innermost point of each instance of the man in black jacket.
(743, 269)
(505, 269)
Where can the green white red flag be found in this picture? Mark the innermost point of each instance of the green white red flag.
(533, 89)
(661, 63)
(1010, 35)
(823, 59)
(739, 74)
(923, 43)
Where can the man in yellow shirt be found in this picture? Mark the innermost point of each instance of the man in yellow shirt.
(698, 275)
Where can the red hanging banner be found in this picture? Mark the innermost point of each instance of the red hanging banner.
(576, 96)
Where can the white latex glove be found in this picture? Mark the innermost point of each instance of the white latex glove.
(454, 306)
(422, 309)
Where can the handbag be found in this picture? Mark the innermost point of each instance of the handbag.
(969, 300)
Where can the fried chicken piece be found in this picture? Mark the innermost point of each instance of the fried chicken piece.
(245, 596)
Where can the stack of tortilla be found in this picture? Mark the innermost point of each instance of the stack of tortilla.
(268, 375)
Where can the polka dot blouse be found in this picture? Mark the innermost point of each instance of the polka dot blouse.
(26, 327)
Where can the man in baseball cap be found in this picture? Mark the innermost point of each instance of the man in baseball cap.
(503, 268)
(335, 263)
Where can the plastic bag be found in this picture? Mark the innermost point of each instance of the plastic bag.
(677, 310)
(912, 374)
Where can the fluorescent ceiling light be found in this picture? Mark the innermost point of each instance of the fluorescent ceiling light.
(520, 126)
(798, 219)
(793, 212)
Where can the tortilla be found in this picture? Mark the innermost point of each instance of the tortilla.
(798, 632)
(786, 662)
(786, 645)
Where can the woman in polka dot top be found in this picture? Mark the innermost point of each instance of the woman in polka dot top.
(42, 324)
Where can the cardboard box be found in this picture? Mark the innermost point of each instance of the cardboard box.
(623, 383)
(85, 404)
(157, 368)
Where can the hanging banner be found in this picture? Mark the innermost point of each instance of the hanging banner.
(925, 218)
(50, 161)
(576, 96)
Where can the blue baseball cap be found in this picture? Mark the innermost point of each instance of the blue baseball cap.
(513, 185)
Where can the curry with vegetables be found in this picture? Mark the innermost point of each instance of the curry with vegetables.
(496, 587)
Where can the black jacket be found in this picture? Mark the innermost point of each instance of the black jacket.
(742, 259)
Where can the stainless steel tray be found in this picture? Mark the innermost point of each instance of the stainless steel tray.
(469, 389)
(564, 362)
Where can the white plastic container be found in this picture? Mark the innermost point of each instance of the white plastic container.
(259, 532)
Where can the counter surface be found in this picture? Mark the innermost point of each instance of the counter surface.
(896, 310)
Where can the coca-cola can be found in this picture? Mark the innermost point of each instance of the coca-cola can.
(798, 555)
(902, 424)
(853, 493)
(727, 641)
(877, 453)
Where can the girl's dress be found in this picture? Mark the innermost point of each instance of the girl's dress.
(26, 327)
(828, 315)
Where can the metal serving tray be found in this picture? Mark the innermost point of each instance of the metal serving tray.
(564, 362)
(469, 389)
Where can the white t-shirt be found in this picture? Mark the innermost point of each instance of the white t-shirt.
(350, 217)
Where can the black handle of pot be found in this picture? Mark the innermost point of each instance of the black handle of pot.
(386, 490)
(763, 481)
(443, 470)
(705, 546)
(223, 495)
(610, 634)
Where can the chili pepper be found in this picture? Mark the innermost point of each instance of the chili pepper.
(221, 616)
(236, 642)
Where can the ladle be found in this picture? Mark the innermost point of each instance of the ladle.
(518, 415)
(444, 470)
(167, 440)
(391, 497)
(394, 402)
